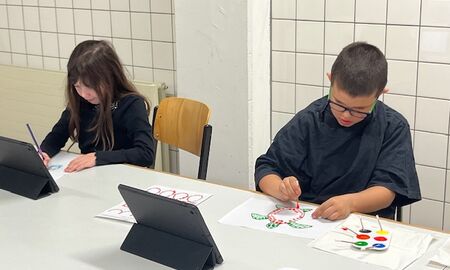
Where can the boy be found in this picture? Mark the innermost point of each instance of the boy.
(347, 151)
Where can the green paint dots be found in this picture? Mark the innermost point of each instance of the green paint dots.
(361, 243)
(258, 216)
(298, 226)
(272, 225)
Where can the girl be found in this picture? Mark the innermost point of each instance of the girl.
(105, 114)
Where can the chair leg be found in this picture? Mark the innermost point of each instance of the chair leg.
(398, 214)
(204, 153)
(155, 110)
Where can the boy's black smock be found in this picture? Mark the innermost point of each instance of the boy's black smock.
(133, 140)
(330, 160)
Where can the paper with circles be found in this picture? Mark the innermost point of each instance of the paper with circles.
(122, 212)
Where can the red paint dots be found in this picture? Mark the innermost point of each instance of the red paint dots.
(380, 238)
(362, 236)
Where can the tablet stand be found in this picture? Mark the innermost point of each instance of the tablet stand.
(168, 249)
(24, 184)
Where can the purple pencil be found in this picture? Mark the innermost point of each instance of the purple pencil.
(35, 141)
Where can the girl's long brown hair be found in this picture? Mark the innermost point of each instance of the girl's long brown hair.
(96, 65)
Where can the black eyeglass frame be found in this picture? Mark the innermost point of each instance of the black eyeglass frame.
(338, 107)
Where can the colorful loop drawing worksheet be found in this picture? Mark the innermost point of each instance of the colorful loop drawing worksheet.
(270, 215)
(122, 212)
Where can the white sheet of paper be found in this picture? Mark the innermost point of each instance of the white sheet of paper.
(118, 212)
(122, 212)
(59, 162)
(443, 254)
(242, 216)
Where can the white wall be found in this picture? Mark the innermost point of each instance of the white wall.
(223, 60)
(259, 82)
(42, 34)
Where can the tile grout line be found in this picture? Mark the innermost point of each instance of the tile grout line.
(271, 67)
(323, 48)
(151, 43)
(295, 67)
(40, 35)
(131, 41)
(24, 34)
(9, 35)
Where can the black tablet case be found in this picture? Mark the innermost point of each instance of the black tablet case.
(22, 170)
(168, 231)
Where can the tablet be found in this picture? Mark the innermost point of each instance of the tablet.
(170, 216)
(22, 170)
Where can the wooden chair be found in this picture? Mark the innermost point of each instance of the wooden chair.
(183, 123)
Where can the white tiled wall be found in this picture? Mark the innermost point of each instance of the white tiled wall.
(432, 182)
(447, 190)
(43, 33)
(415, 37)
(429, 213)
(284, 99)
(447, 218)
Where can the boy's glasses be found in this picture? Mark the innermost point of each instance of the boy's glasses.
(338, 107)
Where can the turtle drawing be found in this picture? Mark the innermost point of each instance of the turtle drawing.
(284, 215)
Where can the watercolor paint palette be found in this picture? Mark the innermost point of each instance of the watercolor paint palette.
(371, 237)
(375, 240)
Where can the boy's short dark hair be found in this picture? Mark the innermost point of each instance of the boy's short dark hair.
(360, 69)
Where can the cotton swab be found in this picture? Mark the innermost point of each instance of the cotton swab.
(346, 228)
(344, 241)
(362, 227)
(379, 223)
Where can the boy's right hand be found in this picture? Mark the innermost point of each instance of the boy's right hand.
(46, 159)
(290, 189)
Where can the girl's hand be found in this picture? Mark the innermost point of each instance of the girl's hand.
(45, 159)
(82, 162)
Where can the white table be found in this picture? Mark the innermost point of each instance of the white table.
(61, 232)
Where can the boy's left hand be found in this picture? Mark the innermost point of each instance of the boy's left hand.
(81, 162)
(338, 207)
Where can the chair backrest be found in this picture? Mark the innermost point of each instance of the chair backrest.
(155, 92)
(183, 123)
